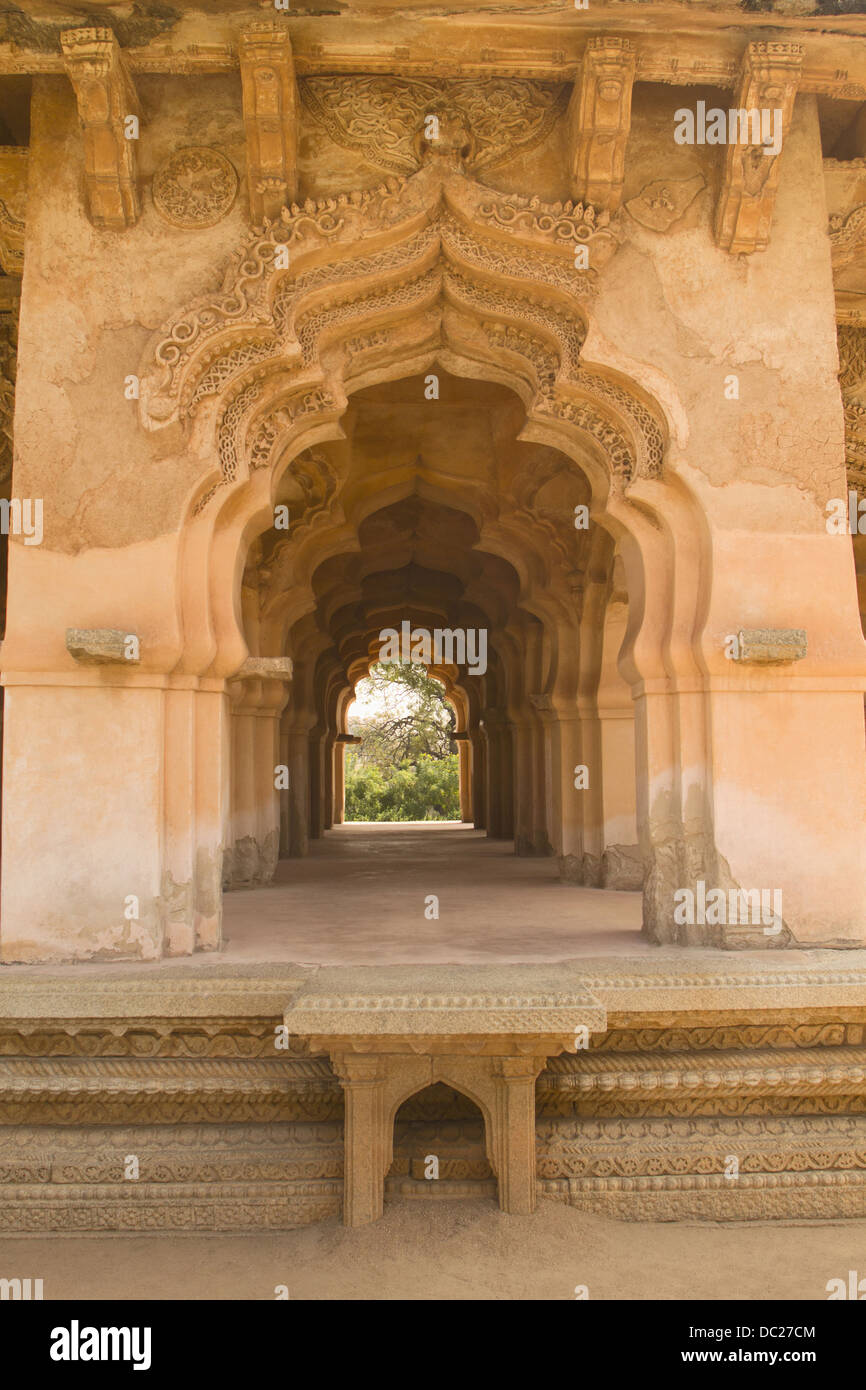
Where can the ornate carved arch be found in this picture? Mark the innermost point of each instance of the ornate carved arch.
(431, 267)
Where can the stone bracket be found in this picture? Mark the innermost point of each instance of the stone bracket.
(102, 646)
(266, 668)
(599, 118)
(769, 79)
(768, 646)
(106, 96)
(270, 99)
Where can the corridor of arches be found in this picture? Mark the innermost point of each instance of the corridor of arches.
(434, 516)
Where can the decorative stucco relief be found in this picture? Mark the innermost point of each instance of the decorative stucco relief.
(268, 345)
(195, 187)
(381, 116)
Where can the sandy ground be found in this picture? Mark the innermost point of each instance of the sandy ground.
(455, 1250)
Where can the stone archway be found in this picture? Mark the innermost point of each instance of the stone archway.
(248, 384)
(436, 271)
(439, 1148)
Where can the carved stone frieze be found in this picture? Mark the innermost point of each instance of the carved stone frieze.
(195, 187)
(852, 379)
(383, 117)
(124, 1037)
(231, 1133)
(775, 1035)
(848, 236)
(768, 1082)
(8, 374)
(150, 1207)
(564, 224)
(14, 162)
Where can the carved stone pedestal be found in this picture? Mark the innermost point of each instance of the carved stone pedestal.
(393, 1032)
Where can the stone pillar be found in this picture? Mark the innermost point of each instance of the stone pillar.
(523, 785)
(492, 771)
(239, 867)
(568, 801)
(363, 1079)
(544, 796)
(273, 698)
(285, 792)
(514, 1142)
(468, 803)
(299, 786)
(480, 804)
(339, 776)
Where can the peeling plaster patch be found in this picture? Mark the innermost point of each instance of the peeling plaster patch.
(131, 941)
(598, 349)
(623, 868)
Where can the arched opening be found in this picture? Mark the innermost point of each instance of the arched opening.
(400, 756)
(440, 1149)
(325, 386)
(450, 540)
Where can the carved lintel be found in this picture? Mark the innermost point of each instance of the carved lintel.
(270, 99)
(106, 96)
(599, 117)
(768, 84)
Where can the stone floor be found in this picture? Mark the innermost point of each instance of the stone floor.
(427, 1249)
(360, 897)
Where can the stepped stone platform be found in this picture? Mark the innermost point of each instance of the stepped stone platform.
(216, 1096)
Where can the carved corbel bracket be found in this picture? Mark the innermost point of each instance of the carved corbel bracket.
(599, 117)
(270, 100)
(768, 83)
(106, 97)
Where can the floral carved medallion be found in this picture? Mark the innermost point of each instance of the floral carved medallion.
(196, 187)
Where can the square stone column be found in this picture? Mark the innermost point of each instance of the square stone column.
(363, 1079)
(513, 1081)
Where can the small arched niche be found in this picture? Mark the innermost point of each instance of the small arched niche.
(439, 1147)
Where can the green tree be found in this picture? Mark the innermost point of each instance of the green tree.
(406, 767)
